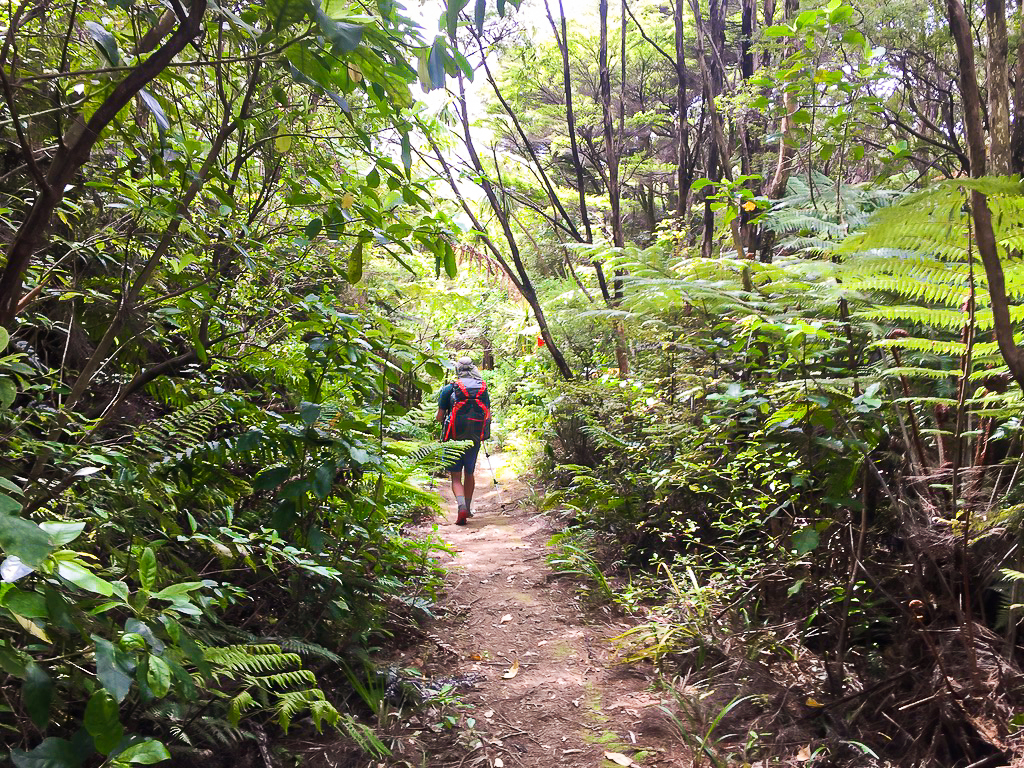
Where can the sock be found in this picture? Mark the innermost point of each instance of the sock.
(462, 502)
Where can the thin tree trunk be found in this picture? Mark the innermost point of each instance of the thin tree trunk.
(525, 284)
(612, 162)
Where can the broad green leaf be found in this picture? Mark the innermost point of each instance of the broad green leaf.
(407, 154)
(23, 538)
(30, 604)
(83, 578)
(853, 37)
(323, 480)
(309, 65)
(435, 64)
(841, 15)
(284, 13)
(451, 267)
(37, 694)
(5, 337)
(355, 263)
(270, 478)
(344, 36)
(309, 412)
(148, 752)
(478, 14)
(158, 676)
(805, 540)
(51, 753)
(9, 506)
(13, 661)
(102, 721)
(283, 143)
(162, 123)
(114, 668)
(104, 41)
(8, 391)
(62, 533)
(147, 569)
(454, 8)
(177, 590)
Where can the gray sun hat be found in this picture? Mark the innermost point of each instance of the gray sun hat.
(464, 366)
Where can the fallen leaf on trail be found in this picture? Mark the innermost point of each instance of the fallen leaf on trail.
(542, 642)
(512, 671)
(506, 618)
(811, 702)
(499, 763)
(618, 758)
(803, 755)
(489, 713)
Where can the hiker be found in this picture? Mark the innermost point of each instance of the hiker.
(464, 410)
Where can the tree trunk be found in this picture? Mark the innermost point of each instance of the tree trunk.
(684, 176)
(610, 144)
(984, 234)
(1017, 140)
(998, 87)
(570, 121)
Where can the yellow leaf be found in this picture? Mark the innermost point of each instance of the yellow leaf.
(618, 758)
(283, 143)
(811, 702)
(804, 754)
(512, 671)
(749, 206)
(347, 200)
(29, 626)
(354, 73)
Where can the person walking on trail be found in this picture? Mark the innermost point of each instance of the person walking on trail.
(464, 410)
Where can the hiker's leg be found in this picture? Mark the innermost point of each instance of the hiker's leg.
(468, 485)
(457, 487)
(469, 476)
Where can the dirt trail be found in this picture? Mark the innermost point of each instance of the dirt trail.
(568, 703)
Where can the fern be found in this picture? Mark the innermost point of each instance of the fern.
(268, 677)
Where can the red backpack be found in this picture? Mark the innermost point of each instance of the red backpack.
(469, 418)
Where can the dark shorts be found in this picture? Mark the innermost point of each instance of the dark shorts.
(454, 462)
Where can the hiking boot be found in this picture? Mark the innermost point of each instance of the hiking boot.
(463, 516)
(469, 513)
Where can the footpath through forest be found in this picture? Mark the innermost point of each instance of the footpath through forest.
(536, 667)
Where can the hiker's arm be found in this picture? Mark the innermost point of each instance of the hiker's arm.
(440, 415)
